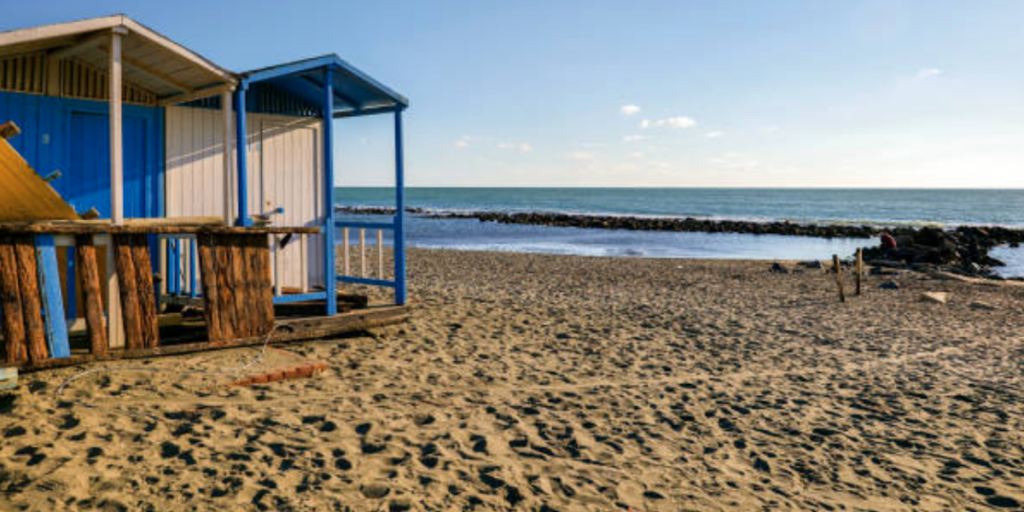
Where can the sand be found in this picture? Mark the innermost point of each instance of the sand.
(543, 383)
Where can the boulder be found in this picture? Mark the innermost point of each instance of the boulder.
(890, 285)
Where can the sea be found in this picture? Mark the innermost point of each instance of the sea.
(914, 207)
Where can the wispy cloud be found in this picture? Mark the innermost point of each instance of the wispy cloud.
(671, 122)
(714, 135)
(633, 138)
(629, 110)
(580, 155)
(928, 73)
(522, 147)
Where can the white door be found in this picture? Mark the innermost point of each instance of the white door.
(290, 177)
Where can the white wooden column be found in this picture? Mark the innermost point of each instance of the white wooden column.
(115, 327)
(228, 129)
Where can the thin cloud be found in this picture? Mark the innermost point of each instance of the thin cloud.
(714, 135)
(522, 147)
(671, 122)
(629, 110)
(928, 73)
(633, 138)
(580, 155)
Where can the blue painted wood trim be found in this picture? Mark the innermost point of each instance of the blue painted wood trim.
(53, 300)
(367, 280)
(242, 157)
(365, 225)
(192, 257)
(330, 270)
(399, 242)
(301, 297)
(331, 61)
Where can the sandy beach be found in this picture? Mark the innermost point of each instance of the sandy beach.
(544, 383)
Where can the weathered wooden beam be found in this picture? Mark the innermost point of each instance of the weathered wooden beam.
(31, 304)
(12, 323)
(146, 290)
(127, 283)
(92, 294)
(211, 288)
(225, 289)
(288, 331)
(9, 130)
(168, 227)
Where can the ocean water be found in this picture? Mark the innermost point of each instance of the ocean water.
(855, 206)
(888, 206)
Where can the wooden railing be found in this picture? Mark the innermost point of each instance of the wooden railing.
(381, 276)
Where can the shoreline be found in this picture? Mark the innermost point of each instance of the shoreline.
(962, 249)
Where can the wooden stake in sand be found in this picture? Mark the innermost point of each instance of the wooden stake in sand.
(838, 269)
(860, 269)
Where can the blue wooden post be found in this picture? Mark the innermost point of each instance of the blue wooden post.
(242, 149)
(192, 257)
(399, 243)
(330, 272)
(53, 300)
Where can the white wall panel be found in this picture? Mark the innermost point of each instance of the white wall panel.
(285, 170)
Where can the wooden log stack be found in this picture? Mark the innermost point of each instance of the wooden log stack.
(237, 285)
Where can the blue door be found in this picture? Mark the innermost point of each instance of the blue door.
(87, 184)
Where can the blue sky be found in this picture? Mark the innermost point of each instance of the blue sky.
(662, 93)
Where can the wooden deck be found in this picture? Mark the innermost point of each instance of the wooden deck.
(287, 330)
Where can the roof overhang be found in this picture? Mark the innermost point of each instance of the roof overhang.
(149, 59)
(355, 92)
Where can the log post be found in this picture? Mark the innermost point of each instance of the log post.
(128, 286)
(242, 288)
(225, 288)
(92, 294)
(211, 288)
(31, 303)
(146, 290)
(13, 323)
(860, 269)
(838, 269)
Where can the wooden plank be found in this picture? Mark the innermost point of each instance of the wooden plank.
(127, 283)
(54, 319)
(291, 331)
(24, 195)
(9, 130)
(100, 226)
(146, 290)
(92, 294)
(116, 129)
(211, 288)
(12, 323)
(31, 304)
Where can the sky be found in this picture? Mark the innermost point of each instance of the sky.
(751, 93)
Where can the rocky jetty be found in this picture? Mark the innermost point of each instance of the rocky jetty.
(963, 249)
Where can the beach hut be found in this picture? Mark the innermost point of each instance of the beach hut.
(126, 122)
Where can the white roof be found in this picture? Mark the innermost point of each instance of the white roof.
(149, 59)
